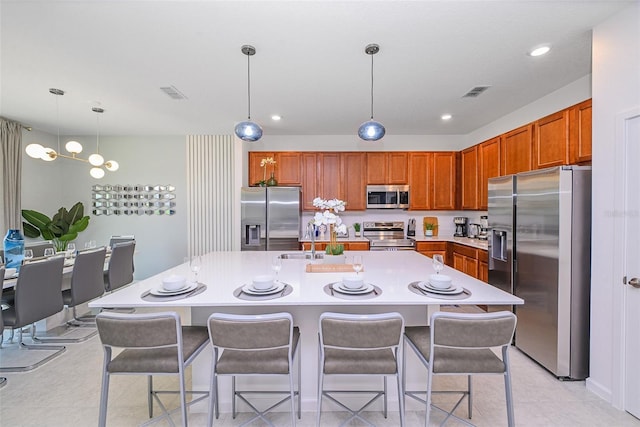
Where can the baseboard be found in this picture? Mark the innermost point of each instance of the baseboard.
(600, 391)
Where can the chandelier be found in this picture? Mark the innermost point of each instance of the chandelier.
(74, 148)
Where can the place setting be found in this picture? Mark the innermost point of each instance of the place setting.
(438, 285)
(175, 287)
(265, 287)
(353, 286)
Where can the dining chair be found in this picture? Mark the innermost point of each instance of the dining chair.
(3, 380)
(461, 344)
(39, 247)
(120, 270)
(151, 344)
(359, 345)
(37, 296)
(121, 239)
(86, 284)
(254, 345)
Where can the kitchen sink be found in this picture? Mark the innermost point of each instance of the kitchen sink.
(301, 255)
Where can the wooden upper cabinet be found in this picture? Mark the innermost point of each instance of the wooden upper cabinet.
(309, 163)
(516, 150)
(444, 180)
(257, 173)
(469, 163)
(353, 173)
(580, 132)
(390, 167)
(551, 140)
(489, 167)
(329, 179)
(420, 173)
(288, 168)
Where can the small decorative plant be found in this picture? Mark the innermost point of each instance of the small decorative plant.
(263, 164)
(428, 228)
(61, 229)
(328, 217)
(356, 228)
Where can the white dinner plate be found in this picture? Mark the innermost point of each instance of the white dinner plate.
(161, 292)
(12, 276)
(364, 289)
(449, 291)
(278, 287)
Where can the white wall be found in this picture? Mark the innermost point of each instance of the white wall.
(616, 88)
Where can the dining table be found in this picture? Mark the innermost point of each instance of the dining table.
(393, 282)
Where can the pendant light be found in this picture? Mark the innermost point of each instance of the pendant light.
(96, 160)
(248, 130)
(371, 130)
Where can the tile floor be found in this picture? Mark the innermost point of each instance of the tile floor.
(65, 392)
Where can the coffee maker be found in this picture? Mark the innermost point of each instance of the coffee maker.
(484, 228)
(461, 226)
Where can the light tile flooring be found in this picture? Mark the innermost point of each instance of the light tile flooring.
(65, 392)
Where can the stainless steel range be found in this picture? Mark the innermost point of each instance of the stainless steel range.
(387, 236)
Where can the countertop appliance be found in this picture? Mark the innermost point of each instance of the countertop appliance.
(387, 197)
(270, 218)
(461, 226)
(387, 236)
(484, 228)
(411, 227)
(545, 260)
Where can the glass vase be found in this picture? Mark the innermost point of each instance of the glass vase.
(271, 182)
(13, 249)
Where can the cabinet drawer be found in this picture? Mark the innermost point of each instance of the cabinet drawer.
(465, 250)
(431, 246)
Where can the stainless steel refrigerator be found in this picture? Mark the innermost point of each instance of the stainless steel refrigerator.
(270, 218)
(540, 250)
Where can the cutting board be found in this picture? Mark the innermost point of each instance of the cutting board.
(330, 268)
(432, 220)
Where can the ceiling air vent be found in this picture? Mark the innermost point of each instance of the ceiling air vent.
(173, 92)
(475, 92)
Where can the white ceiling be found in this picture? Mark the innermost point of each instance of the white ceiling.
(310, 66)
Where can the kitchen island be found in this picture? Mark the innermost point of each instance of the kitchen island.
(225, 272)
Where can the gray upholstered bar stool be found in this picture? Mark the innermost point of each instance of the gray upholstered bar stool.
(460, 344)
(248, 345)
(37, 296)
(153, 344)
(120, 271)
(359, 345)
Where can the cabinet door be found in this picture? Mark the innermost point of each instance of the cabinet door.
(580, 132)
(398, 168)
(551, 141)
(357, 246)
(444, 181)
(309, 180)
(288, 168)
(516, 150)
(329, 180)
(257, 173)
(470, 267)
(470, 178)
(483, 271)
(420, 166)
(489, 165)
(458, 261)
(377, 168)
(353, 166)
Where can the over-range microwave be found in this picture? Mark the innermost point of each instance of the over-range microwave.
(387, 196)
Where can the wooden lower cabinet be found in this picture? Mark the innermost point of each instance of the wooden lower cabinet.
(465, 259)
(357, 246)
(348, 246)
(483, 266)
(432, 248)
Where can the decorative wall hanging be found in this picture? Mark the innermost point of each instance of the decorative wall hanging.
(129, 199)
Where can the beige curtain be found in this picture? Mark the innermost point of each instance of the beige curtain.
(11, 161)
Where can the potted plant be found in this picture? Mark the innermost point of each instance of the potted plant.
(264, 182)
(61, 229)
(356, 228)
(428, 228)
(329, 217)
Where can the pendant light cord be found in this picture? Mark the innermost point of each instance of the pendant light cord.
(58, 121)
(371, 87)
(248, 87)
(97, 133)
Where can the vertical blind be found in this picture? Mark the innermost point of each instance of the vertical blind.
(210, 193)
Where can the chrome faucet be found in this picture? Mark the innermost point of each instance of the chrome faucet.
(312, 234)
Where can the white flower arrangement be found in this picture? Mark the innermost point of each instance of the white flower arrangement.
(328, 217)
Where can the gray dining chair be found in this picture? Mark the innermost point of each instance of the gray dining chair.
(86, 284)
(151, 344)
(39, 247)
(113, 240)
(359, 345)
(254, 345)
(3, 380)
(120, 270)
(37, 296)
(461, 344)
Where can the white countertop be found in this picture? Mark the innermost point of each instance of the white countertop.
(474, 243)
(223, 272)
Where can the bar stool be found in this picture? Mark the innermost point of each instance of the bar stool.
(153, 344)
(357, 345)
(460, 344)
(249, 345)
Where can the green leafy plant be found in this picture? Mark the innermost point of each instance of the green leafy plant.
(429, 226)
(61, 229)
(356, 227)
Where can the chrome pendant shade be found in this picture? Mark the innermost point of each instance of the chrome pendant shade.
(371, 130)
(248, 130)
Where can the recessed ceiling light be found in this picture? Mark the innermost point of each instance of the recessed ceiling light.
(276, 117)
(446, 117)
(539, 51)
